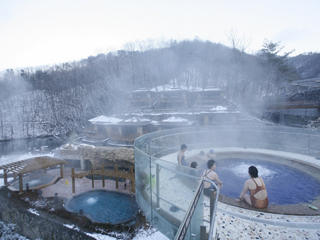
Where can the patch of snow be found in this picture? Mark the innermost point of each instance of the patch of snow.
(33, 211)
(219, 108)
(71, 226)
(101, 236)
(104, 120)
(212, 89)
(6, 159)
(175, 119)
(170, 87)
(150, 234)
(137, 119)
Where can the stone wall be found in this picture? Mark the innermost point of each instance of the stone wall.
(109, 156)
(32, 225)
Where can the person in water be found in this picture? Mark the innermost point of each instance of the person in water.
(211, 175)
(202, 156)
(181, 157)
(258, 193)
(211, 154)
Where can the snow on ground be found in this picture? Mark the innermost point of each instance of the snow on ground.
(6, 159)
(151, 234)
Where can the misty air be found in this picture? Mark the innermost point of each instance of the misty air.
(130, 121)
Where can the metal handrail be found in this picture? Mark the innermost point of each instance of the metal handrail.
(213, 214)
(186, 221)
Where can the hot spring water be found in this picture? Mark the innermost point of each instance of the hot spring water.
(285, 184)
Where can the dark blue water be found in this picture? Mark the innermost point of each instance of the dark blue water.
(285, 185)
(105, 206)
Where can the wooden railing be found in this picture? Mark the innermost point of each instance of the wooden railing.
(104, 172)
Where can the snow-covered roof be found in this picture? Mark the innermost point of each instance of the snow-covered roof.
(212, 89)
(174, 121)
(219, 108)
(136, 119)
(104, 120)
(171, 87)
(141, 90)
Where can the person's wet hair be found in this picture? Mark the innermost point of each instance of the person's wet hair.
(253, 171)
(194, 164)
(210, 163)
(183, 146)
(202, 153)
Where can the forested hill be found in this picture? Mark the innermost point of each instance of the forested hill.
(307, 65)
(60, 99)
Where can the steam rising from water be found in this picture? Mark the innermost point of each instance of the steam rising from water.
(91, 200)
(241, 170)
(34, 182)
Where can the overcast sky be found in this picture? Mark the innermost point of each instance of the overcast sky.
(45, 32)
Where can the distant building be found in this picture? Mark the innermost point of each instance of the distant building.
(141, 98)
(160, 108)
(210, 96)
(128, 130)
(173, 122)
(171, 98)
(114, 131)
(101, 129)
(298, 103)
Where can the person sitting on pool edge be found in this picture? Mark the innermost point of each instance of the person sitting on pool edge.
(258, 193)
(211, 175)
(194, 171)
(181, 157)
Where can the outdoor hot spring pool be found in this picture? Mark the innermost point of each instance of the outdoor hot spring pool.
(104, 206)
(34, 181)
(285, 184)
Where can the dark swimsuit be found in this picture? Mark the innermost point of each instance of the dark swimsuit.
(207, 190)
(183, 160)
(256, 202)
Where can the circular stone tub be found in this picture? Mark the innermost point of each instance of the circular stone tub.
(104, 206)
(35, 181)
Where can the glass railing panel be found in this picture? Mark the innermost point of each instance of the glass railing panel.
(197, 220)
(172, 191)
(142, 181)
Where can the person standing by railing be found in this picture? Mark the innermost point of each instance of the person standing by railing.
(211, 175)
(181, 157)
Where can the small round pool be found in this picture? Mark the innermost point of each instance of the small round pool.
(285, 184)
(35, 181)
(104, 206)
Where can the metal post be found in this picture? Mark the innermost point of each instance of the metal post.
(92, 178)
(61, 171)
(103, 180)
(308, 149)
(117, 183)
(158, 184)
(20, 183)
(212, 198)
(73, 181)
(203, 232)
(5, 177)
